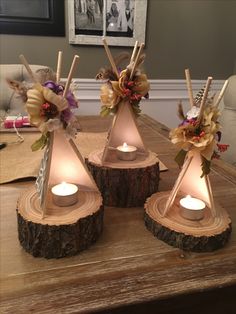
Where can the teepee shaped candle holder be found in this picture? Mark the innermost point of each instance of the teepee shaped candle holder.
(63, 213)
(188, 217)
(125, 157)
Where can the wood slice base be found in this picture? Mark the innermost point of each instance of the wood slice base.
(205, 235)
(125, 183)
(64, 231)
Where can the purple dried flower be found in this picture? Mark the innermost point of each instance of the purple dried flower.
(66, 115)
(184, 122)
(71, 100)
(56, 88)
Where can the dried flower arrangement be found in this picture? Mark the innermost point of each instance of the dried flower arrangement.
(129, 84)
(21, 87)
(200, 128)
(50, 106)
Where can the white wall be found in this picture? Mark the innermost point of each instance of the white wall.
(162, 103)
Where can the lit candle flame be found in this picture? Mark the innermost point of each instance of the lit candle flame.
(64, 186)
(190, 202)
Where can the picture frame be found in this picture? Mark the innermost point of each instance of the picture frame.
(122, 22)
(38, 17)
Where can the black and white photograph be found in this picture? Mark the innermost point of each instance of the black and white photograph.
(120, 18)
(89, 17)
(122, 22)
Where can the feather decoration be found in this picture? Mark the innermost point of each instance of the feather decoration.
(210, 100)
(45, 74)
(122, 57)
(19, 87)
(141, 59)
(181, 111)
(198, 97)
(137, 70)
(106, 73)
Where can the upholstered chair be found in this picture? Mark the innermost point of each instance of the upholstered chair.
(11, 102)
(228, 121)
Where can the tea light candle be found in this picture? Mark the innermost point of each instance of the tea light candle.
(192, 208)
(126, 152)
(65, 194)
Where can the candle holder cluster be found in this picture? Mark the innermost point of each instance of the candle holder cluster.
(125, 171)
(63, 213)
(188, 217)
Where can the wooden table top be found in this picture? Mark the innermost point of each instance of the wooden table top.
(128, 270)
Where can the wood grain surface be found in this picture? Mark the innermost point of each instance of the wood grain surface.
(205, 235)
(63, 231)
(125, 183)
(128, 270)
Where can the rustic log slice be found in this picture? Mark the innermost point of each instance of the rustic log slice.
(205, 235)
(64, 231)
(125, 183)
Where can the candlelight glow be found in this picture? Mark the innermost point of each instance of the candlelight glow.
(127, 148)
(64, 189)
(126, 152)
(192, 203)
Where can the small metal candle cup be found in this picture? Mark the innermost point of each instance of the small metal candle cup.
(192, 208)
(126, 152)
(64, 194)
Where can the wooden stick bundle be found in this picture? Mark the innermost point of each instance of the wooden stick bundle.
(177, 185)
(136, 60)
(221, 93)
(189, 86)
(69, 78)
(204, 98)
(59, 62)
(110, 58)
(134, 52)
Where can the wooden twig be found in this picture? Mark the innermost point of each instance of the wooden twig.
(26, 64)
(109, 55)
(177, 185)
(189, 86)
(59, 62)
(204, 97)
(47, 174)
(221, 94)
(212, 204)
(136, 60)
(134, 51)
(69, 78)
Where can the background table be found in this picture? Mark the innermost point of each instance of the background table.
(128, 270)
